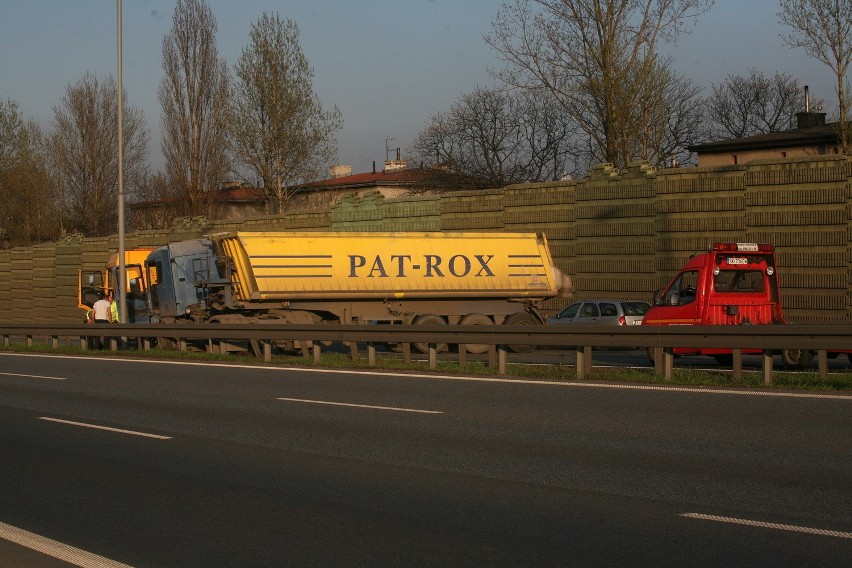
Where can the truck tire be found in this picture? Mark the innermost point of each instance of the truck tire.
(724, 359)
(521, 318)
(797, 358)
(429, 319)
(476, 319)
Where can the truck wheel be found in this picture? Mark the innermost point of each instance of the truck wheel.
(724, 359)
(521, 318)
(797, 358)
(429, 319)
(476, 319)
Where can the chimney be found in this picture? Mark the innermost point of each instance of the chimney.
(340, 171)
(809, 119)
(395, 165)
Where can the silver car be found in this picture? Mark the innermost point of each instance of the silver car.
(604, 312)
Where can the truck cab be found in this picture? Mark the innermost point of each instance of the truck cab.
(731, 284)
(180, 274)
(92, 284)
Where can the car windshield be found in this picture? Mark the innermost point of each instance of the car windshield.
(635, 308)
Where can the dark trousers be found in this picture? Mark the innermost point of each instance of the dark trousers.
(100, 342)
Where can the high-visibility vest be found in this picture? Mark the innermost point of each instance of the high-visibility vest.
(113, 311)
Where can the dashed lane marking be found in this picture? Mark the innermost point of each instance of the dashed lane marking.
(35, 376)
(368, 406)
(57, 549)
(765, 525)
(107, 428)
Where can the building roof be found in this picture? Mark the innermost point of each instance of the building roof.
(413, 176)
(808, 133)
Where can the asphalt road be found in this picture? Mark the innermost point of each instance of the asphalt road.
(212, 465)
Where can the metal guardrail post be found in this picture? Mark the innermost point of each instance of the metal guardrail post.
(371, 355)
(353, 349)
(668, 363)
(767, 367)
(658, 361)
(406, 353)
(462, 354)
(317, 352)
(738, 363)
(433, 356)
(580, 365)
(501, 360)
(267, 351)
(822, 363)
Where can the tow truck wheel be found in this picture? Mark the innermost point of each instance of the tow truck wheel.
(724, 359)
(797, 358)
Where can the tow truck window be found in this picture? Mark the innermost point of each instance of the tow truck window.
(739, 281)
(682, 290)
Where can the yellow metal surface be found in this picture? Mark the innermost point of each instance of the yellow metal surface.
(299, 265)
(134, 261)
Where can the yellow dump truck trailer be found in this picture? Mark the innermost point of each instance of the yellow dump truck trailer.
(289, 266)
(354, 277)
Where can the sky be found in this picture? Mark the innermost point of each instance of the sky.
(388, 65)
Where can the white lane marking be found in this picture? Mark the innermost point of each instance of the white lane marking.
(712, 390)
(35, 376)
(56, 549)
(761, 524)
(107, 428)
(694, 390)
(330, 403)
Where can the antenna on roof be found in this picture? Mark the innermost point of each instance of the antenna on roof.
(387, 148)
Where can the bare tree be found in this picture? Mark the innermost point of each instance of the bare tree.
(194, 99)
(491, 138)
(281, 132)
(595, 57)
(84, 153)
(154, 206)
(823, 28)
(756, 104)
(29, 211)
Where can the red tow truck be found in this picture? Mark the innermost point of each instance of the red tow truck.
(731, 284)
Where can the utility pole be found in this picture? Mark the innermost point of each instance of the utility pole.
(120, 295)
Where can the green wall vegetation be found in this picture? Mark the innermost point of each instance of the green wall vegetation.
(618, 234)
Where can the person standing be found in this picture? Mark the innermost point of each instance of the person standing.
(113, 308)
(101, 310)
(100, 314)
